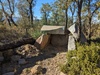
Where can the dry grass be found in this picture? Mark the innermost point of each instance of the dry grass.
(8, 34)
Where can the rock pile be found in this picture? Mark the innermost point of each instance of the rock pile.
(27, 51)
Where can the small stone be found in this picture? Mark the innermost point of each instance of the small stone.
(26, 70)
(61, 73)
(10, 73)
(39, 62)
(27, 47)
(15, 57)
(1, 58)
(36, 69)
(21, 61)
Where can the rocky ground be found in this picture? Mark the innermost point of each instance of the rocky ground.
(27, 60)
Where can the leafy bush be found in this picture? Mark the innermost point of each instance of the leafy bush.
(36, 34)
(83, 61)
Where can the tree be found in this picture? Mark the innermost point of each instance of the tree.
(58, 15)
(45, 10)
(63, 5)
(72, 8)
(31, 5)
(79, 7)
(1, 15)
(55, 14)
(92, 7)
(9, 11)
(25, 8)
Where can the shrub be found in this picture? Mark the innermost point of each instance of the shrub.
(83, 61)
(36, 34)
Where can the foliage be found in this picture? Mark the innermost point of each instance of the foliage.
(1, 16)
(45, 10)
(8, 9)
(83, 61)
(36, 34)
(8, 34)
(90, 8)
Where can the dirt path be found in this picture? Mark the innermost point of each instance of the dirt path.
(52, 65)
(49, 59)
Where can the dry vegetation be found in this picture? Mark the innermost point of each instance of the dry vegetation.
(8, 34)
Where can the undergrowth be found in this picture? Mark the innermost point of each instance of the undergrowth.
(83, 61)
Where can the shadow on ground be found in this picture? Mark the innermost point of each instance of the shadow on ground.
(48, 52)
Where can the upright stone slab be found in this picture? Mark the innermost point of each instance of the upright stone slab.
(71, 43)
(42, 41)
(58, 40)
(74, 29)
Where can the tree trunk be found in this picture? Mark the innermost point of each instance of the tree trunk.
(72, 18)
(79, 21)
(31, 13)
(89, 36)
(66, 21)
(46, 19)
(89, 19)
(79, 17)
(66, 26)
(16, 44)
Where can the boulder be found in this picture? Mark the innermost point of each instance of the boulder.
(36, 69)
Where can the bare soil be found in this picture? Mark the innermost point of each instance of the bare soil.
(49, 59)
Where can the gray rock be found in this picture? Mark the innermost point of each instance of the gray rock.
(71, 43)
(10, 73)
(21, 61)
(74, 29)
